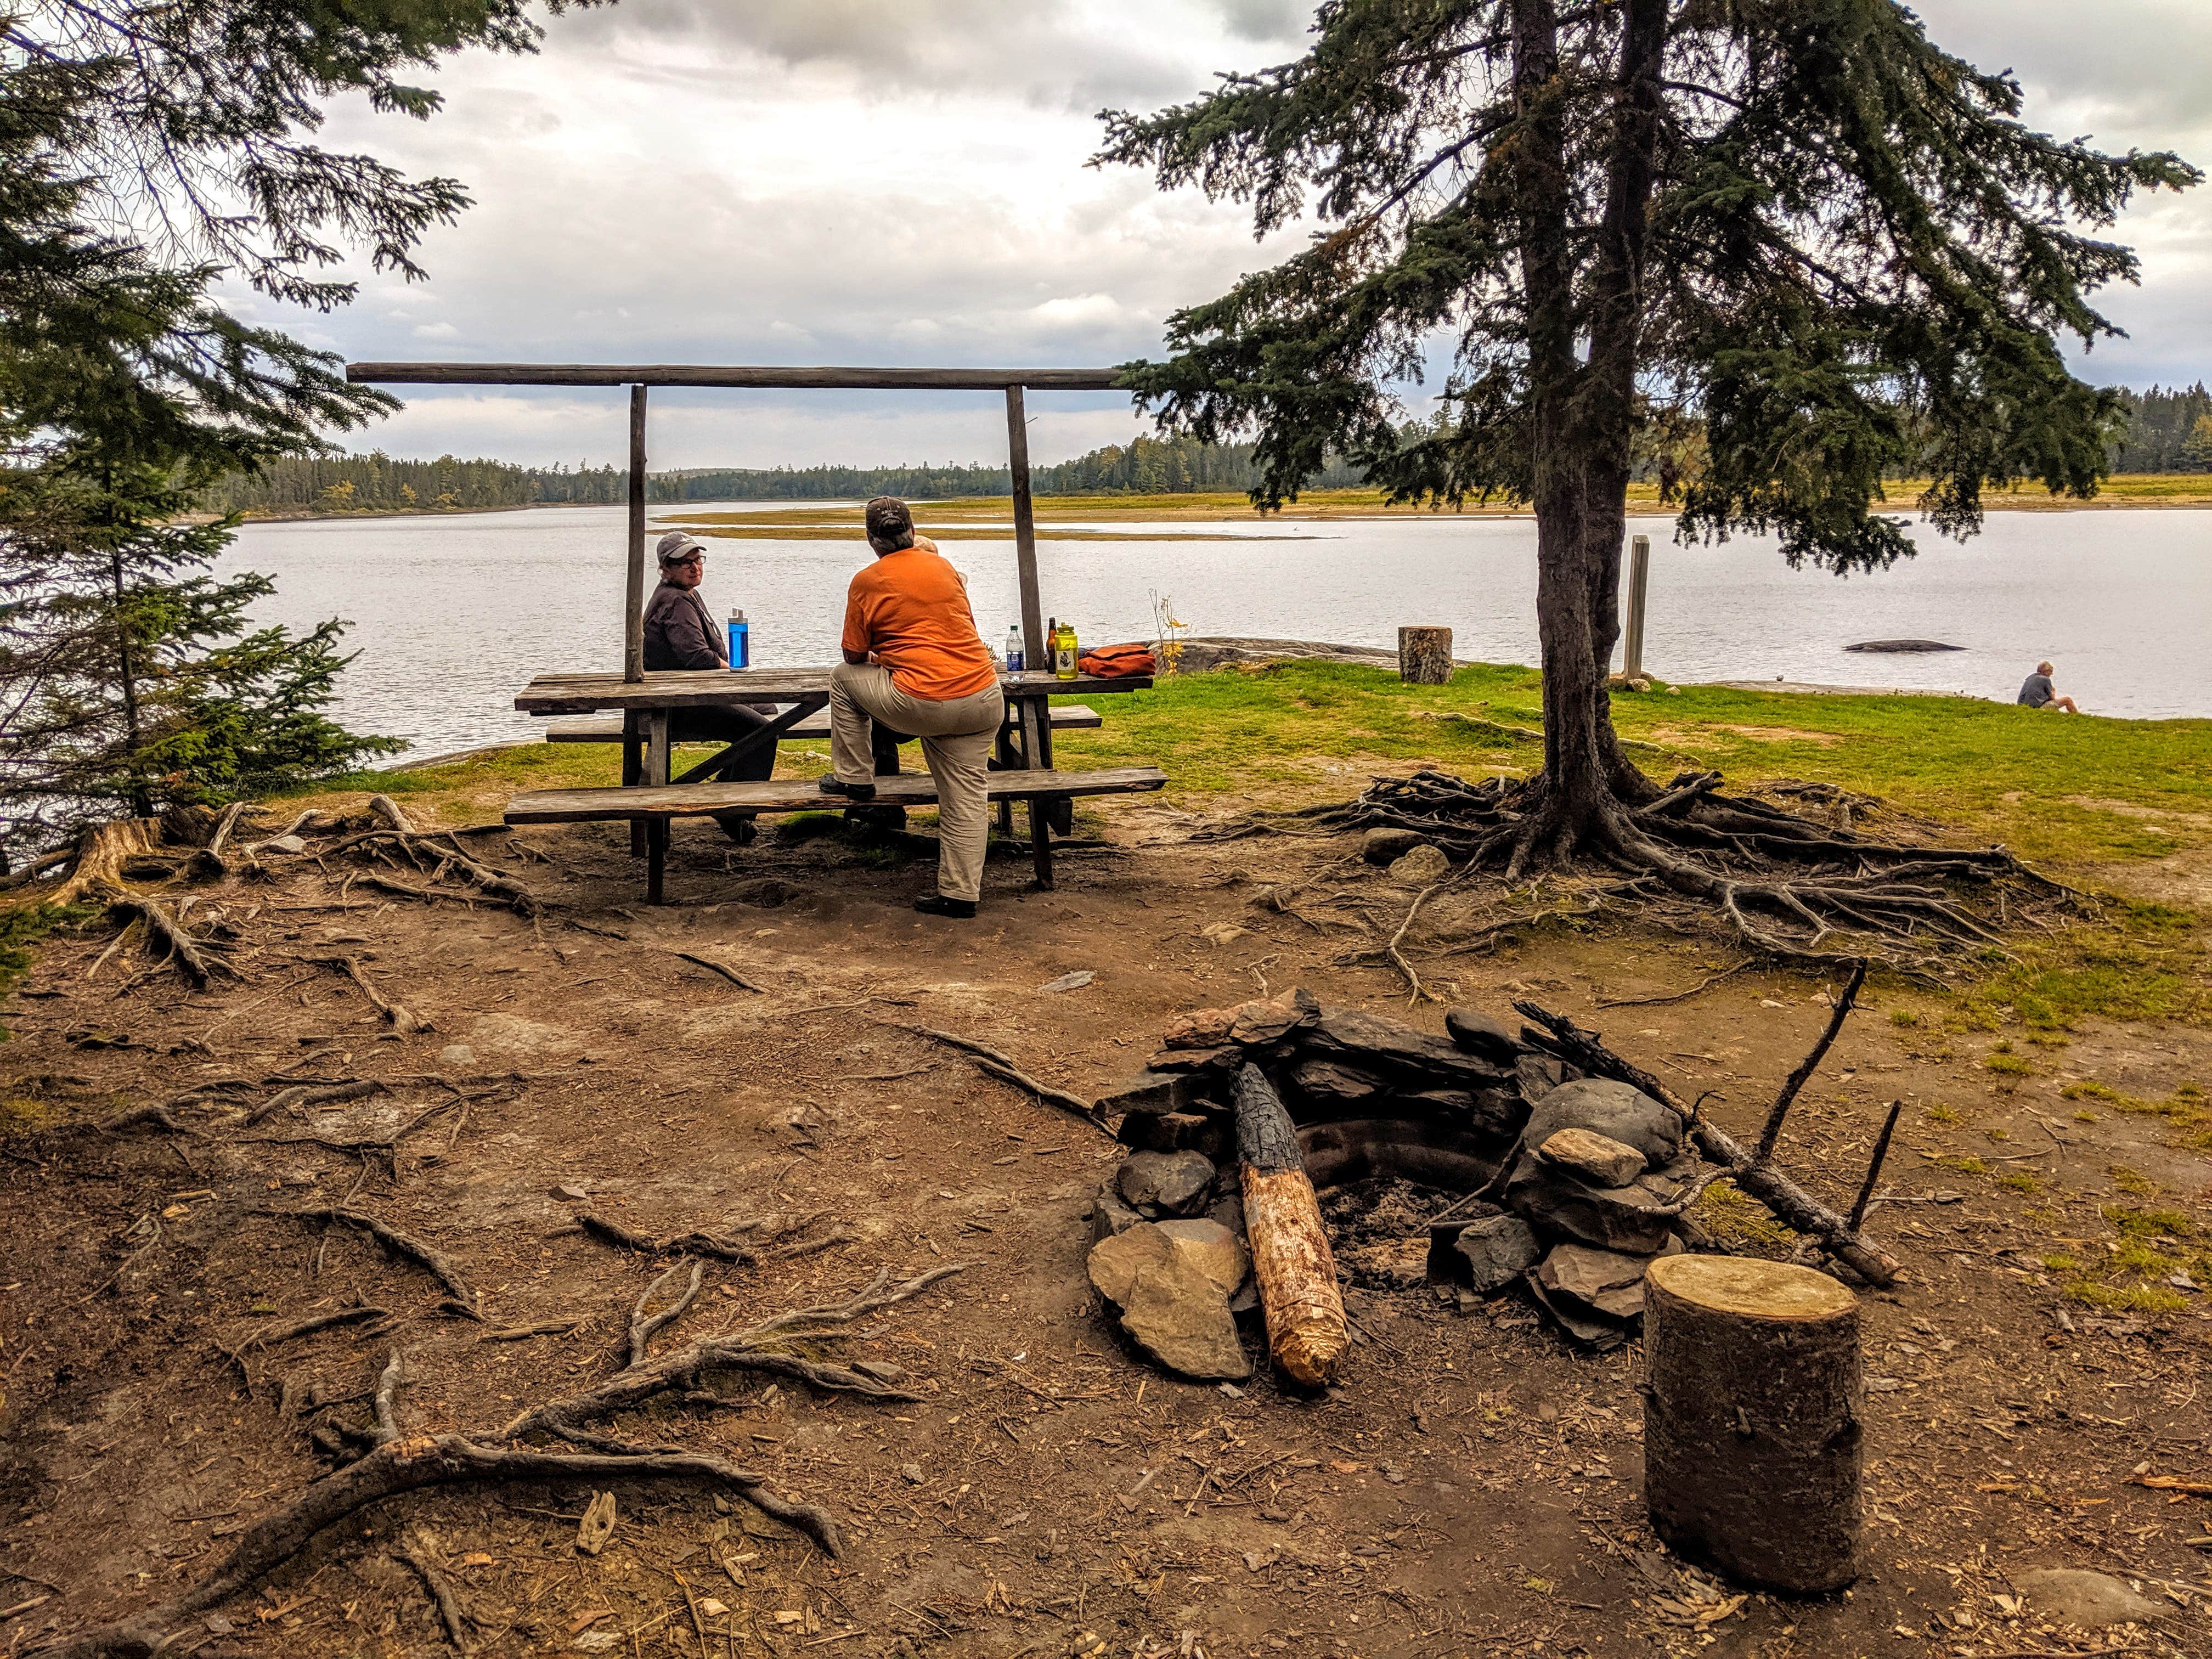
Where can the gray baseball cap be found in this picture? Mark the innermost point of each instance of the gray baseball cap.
(676, 543)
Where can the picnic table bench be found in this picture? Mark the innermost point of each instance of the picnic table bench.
(648, 799)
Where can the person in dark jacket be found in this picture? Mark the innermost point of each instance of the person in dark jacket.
(2038, 692)
(681, 633)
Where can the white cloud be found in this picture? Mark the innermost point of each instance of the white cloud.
(812, 181)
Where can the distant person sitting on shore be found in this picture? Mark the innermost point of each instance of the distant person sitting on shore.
(2038, 692)
(680, 632)
(914, 660)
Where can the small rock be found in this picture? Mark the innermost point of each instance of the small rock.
(1173, 1304)
(1209, 1134)
(882, 1369)
(1387, 846)
(1074, 982)
(1593, 1331)
(1165, 1183)
(913, 1473)
(1603, 1159)
(1109, 1215)
(1422, 867)
(1229, 1212)
(1208, 1028)
(1613, 1109)
(572, 1194)
(1154, 1094)
(284, 844)
(1560, 1204)
(1333, 1080)
(1230, 1390)
(1227, 1058)
(1483, 1036)
(1496, 1250)
(1394, 1474)
(2088, 1599)
(1604, 1280)
(1257, 1023)
(458, 1054)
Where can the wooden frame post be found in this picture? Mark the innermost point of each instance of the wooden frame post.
(1639, 581)
(633, 602)
(1018, 457)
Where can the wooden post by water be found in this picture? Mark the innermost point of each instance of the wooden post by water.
(1639, 578)
(634, 601)
(1018, 457)
(1425, 656)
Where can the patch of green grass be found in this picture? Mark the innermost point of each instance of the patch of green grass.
(1904, 1019)
(1738, 1222)
(2186, 1110)
(2133, 1257)
(2131, 1182)
(2020, 1182)
(21, 1112)
(1963, 1165)
(2130, 1298)
(1939, 1113)
(2060, 1264)
(2002, 1060)
(2149, 1224)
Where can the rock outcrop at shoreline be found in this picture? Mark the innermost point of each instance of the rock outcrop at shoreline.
(1214, 651)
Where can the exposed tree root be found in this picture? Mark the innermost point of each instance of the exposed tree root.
(165, 928)
(418, 1548)
(399, 1245)
(1789, 888)
(991, 1063)
(401, 1018)
(692, 1244)
(762, 1348)
(396, 1460)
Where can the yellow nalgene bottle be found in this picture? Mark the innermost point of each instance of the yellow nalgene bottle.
(1065, 652)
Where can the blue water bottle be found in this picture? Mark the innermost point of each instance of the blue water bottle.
(741, 640)
(1013, 651)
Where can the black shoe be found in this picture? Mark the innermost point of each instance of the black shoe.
(830, 785)
(936, 904)
(740, 829)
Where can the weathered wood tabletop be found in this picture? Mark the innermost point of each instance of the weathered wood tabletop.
(688, 688)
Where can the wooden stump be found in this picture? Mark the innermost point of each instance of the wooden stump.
(1425, 656)
(1291, 1257)
(1750, 1418)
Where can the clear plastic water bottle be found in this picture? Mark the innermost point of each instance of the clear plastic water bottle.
(1013, 657)
(741, 640)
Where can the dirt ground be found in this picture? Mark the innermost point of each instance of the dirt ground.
(1472, 1486)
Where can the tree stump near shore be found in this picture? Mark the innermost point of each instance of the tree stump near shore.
(1425, 656)
(1750, 1418)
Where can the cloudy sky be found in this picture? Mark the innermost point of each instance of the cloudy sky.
(903, 181)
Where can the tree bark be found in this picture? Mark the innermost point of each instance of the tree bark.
(1425, 656)
(1291, 1257)
(1751, 1420)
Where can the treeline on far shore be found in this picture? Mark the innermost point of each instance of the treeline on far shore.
(2166, 431)
(379, 484)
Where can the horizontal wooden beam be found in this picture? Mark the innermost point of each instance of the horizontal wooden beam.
(762, 378)
(682, 801)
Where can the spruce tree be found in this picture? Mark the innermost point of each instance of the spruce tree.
(1800, 221)
(146, 150)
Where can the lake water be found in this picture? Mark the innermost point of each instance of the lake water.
(453, 616)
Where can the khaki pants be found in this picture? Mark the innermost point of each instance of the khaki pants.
(956, 735)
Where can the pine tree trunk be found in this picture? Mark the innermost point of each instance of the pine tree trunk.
(141, 798)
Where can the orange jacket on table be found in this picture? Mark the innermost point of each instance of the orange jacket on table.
(1118, 662)
(910, 609)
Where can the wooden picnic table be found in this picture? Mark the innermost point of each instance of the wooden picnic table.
(1024, 745)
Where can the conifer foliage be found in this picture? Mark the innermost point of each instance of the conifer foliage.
(1800, 221)
(147, 150)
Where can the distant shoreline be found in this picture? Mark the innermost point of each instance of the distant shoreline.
(2127, 492)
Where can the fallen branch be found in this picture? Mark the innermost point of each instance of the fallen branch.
(1420, 994)
(1797, 1079)
(1701, 986)
(313, 1094)
(402, 1018)
(1874, 1165)
(397, 1243)
(1790, 1203)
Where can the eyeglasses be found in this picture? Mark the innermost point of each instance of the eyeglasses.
(689, 558)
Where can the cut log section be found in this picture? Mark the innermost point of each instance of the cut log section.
(1291, 1256)
(1750, 1418)
(1425, 656)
